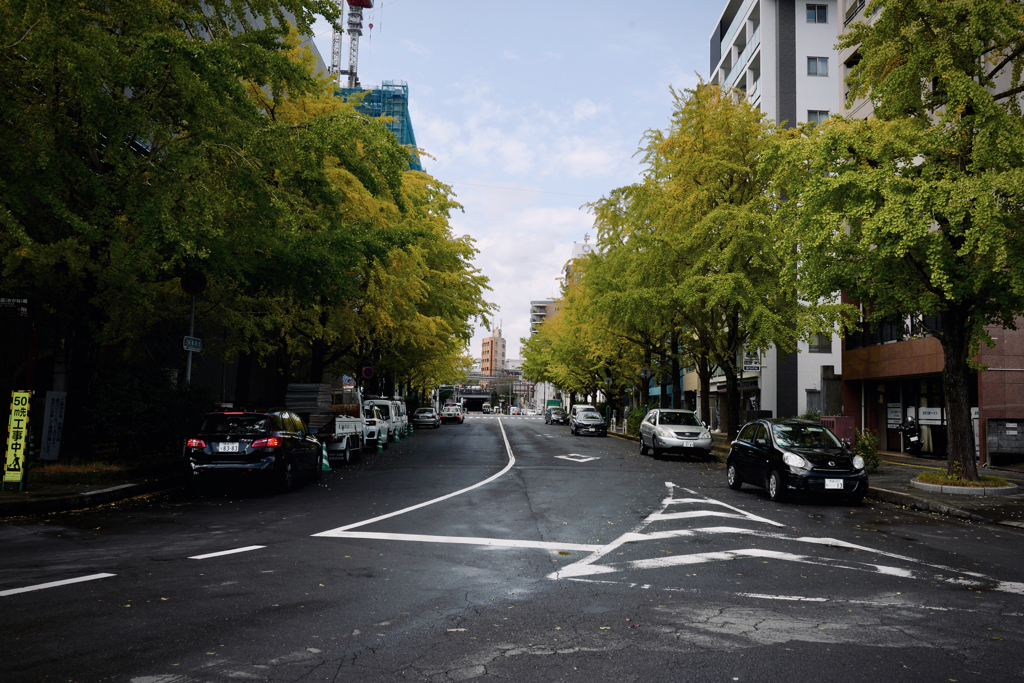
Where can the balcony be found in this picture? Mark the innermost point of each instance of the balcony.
(741, 61)
(851, 12)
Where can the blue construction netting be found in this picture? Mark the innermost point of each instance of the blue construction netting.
(389, 99)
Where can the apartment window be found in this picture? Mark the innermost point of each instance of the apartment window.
(817, 66)
(816, 115)
(817, 14)
(820, 343)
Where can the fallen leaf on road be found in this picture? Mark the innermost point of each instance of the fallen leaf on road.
(380, 635)
(453, 630)
(605, 628)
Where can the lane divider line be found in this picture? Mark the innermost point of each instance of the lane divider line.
(488, 480)
(54, 584)
(227, 552)
(464, 540)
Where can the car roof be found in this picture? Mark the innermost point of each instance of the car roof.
(673, 410)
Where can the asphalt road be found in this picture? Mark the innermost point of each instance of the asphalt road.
(504, 549)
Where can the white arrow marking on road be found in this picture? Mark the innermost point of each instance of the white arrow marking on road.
(576, 457)
(54, 584)
(227, 552)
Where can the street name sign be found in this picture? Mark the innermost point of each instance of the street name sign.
(193, 344)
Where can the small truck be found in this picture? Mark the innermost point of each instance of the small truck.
(344, 433)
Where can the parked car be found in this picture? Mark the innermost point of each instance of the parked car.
(388, 415)
(580, 406)
(403, 416)
(555, 415)
(587, 422)
(795, 457)
(426, 417)
(275, 445)
(452, 413)
(667, 430)
(375, 427)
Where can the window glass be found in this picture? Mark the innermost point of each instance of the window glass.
(680, 419)
(817, 66)
(748, 433)
(236, 424)
(385, 410)
(760, 436)
(805, 436)
(817, 116)
(820, 343)
(817, 14)
(651, 416)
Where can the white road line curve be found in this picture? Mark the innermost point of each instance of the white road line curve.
(54, 584)
(488, 480)
(463, 540)
(227, 552)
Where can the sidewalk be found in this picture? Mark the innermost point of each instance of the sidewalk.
(44, 498)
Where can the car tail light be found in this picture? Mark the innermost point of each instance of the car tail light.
(196, 443)
(270, 442)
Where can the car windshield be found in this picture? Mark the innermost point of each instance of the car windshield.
(236, 424)
(589, 415)
(385, 411)
(804, 436)
(681, 419)
(424, 411)
(557, 411)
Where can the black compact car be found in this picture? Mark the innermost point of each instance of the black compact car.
(555, 416)
(274, 445)
(587, 422)
(795, 457)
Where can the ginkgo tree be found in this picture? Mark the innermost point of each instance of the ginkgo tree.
(918, 211)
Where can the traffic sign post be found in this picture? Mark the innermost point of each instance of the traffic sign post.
(17, 436)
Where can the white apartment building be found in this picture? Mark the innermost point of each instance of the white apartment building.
(782, 54)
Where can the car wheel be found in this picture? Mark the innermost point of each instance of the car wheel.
(286, 479)
(196, 484)
(387, 441)
(655, 451)
(776, 490)
(733, 477)
(643, 446)
(319, 473)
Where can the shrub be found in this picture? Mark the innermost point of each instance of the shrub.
(633, 421)
(812, 414)
(866, 446)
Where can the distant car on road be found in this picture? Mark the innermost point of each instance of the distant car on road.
(514, 410)
(795, 457)
(275, 445)
(555, 415)
(669, 430)
(426, 417)
(587, 422)
(452, 413)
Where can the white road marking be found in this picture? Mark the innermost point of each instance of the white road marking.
(488, 480)
(576, 457)
(227, 552)
(54, 584)
(463, 540)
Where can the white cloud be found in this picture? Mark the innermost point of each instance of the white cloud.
(585, 109)
(418, 49)
(508, 54)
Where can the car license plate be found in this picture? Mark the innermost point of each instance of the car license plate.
(227, 447)
(687, 444)
(833, 483)
(913, 438)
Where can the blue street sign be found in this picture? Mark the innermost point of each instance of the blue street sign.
(193, 344)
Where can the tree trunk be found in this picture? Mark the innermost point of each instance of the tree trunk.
(732, 400)
(645, 384)
(704, 377)
(677, 382)
(956, 373)
(663, 379)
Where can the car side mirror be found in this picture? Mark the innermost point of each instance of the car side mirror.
(705, 424)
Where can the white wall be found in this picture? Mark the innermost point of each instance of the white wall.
(818, 40)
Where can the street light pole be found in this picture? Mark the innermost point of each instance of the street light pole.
(191, 333)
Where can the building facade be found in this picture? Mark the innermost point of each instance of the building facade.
(781, 55)
(539, 312)
(492, 355)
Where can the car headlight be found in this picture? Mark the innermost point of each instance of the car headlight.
(858, 462)
(661, 431)
(705, 435)
(794, 460)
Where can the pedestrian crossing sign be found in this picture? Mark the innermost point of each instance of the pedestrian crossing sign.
(17, 437)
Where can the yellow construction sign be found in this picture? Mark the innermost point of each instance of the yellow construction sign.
(17, 436)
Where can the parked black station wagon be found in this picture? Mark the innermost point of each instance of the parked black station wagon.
(795, 457)
(275, 445)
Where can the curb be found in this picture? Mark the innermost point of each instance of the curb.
(112, 494)
(966, 490)
(915, 503)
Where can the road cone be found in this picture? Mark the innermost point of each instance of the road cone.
(397, 438)
(380, 443)
(325, 466)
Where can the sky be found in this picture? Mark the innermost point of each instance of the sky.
(529, 111)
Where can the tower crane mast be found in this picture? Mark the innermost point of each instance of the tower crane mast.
(354, 30)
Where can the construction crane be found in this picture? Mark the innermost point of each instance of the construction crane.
(355, 29)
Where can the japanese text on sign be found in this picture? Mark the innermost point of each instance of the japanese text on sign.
(17, 436)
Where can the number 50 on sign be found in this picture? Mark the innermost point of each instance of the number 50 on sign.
(17, 436)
